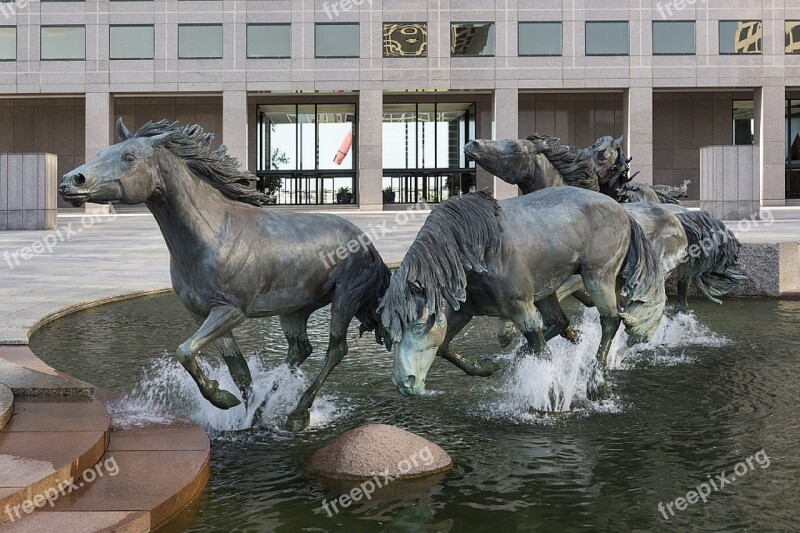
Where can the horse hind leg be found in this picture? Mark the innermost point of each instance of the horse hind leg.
(220, 321)
(341, 316)
(294, 327)
(237, 365)
(603, 293)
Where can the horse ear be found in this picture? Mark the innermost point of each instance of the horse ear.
(156, 140)
(122, 132)
(618, 142)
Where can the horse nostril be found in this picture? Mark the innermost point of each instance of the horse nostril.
(78, 180)
(409, 382)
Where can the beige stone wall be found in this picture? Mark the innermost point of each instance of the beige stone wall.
(39, 125)
(203, 110)
(577, 118)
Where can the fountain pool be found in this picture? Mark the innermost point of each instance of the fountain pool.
(712, 389)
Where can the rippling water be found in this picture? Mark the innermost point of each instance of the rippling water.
(710, 390)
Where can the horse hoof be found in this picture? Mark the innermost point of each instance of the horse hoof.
(506, 340)
(572, 335)
(223, 399)
(298, 421)
(597, 387)
(487, 367)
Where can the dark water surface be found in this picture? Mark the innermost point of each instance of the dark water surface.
(712, 390)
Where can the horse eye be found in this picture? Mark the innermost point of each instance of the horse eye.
(129, 157)
(416, 289)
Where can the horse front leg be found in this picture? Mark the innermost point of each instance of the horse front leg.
(220, 321)
(527, 319)
(683, 295)
(604, 294)
(483, 368)
(337, 349)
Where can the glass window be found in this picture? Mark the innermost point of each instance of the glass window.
(674, 38)
(423, 157)
(793, 149)
(131, 42)
(540, 38)
(200, 41)
(269, 40)
(743, 122)
(793, 37)
(740, 36)
(306, 153)
(63, 42)
(337, 40)
(607, 38)
(472, 39)
(8, 43)
(401, 39)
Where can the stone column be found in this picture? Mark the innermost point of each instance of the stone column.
(638, 111)
(99, 127)
(769, 108)
(234, 124)
(506, 119)
(370, 150)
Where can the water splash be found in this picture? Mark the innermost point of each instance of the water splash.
(166, 386)
(535, 388)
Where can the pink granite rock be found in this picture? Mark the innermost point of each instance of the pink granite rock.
(363, 452)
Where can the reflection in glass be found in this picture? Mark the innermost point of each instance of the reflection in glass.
(200, 41)
(131, 42)
(337, 40)
(740, 36)
(269, 40)
(793, 37)
(306, 153)
(793, 149)
(405, 40)
(8, 43)
(472, 39)
(63, 42)
(607, 38)
(423, 158)
(540, 38)
(743, 122)
(674, 38)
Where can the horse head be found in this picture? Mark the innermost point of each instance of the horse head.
(512, 160)
(122, 173)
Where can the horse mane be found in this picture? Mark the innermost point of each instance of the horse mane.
(452, 242)
(216, 167)
(576, 165)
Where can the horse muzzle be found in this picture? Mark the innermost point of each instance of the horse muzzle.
(74, 188)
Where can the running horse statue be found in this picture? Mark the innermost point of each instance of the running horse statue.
(231, 260)
(475, 256)
(542, 161)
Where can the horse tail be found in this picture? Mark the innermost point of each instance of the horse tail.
(642, 297)
(712, 255)
(368, 313)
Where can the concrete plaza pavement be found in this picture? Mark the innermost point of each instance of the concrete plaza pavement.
(104, 258)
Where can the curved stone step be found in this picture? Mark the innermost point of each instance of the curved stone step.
(49, 442)
(6, 405)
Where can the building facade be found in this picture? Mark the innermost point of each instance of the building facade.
(367, 103)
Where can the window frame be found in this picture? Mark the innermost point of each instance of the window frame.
(539, 22)
(320, 24)
(41, 41)
(694, 37)
(719, 38)
(222, 40)
(586, 40)
(494, 44)
(16, 42)
(261, 25)
(110, 26)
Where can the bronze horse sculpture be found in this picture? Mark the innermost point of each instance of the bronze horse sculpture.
(231, 260)
(542, 161)
(475, 256)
